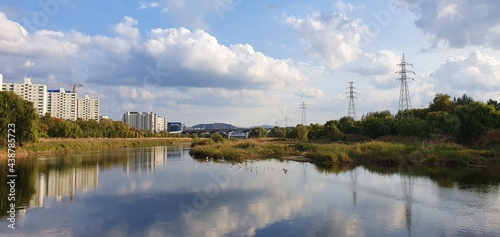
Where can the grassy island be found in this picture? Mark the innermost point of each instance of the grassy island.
(334, 153)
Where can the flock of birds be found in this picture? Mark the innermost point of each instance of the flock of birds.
(244, 166)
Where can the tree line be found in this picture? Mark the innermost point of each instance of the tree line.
(461, 119)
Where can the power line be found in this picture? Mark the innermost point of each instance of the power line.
(404, 93)
(351, 111)
(303, 107)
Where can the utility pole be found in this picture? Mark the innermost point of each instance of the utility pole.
(404, 93)
(303, 107)
(351, 111)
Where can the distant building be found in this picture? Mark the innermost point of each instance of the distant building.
(88, 109)
(161, 123)
(145, 121)
(175, 127)
(62, 104)
(36, 93)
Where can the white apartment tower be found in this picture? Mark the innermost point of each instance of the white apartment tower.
(88, 109)
(62, 104)
(36, 93)
(161, 123)
(145, 121)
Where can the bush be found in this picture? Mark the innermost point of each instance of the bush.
(216, 137)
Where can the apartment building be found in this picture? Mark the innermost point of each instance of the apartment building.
(145, 121)
(88, 109)
(62, 104)
(36, 93)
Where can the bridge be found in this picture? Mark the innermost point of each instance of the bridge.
(228, 131)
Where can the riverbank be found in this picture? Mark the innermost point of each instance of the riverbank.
(68, 145)
(328, 154)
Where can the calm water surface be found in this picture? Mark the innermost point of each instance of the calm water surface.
(162, 191)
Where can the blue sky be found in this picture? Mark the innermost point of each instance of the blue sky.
(252, 62)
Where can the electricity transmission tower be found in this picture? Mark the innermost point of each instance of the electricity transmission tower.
(351, 111)
(286, 121)
(303, 107)
(404, 93)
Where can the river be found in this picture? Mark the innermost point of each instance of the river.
(163, 191)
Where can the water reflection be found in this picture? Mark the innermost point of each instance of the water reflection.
(162, 191)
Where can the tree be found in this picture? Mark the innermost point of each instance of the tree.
(441, 102)
(21, 113)
(278, 132)
(494, 103)
(66, 129)
(302, 131)
(441, 122)
(463, 100)
(475, 119)
(258, 132)
(377, 114)
(315, 131)
(376, 127)
(348, 125)
(331, 132)
(410, 126)
(216, 137)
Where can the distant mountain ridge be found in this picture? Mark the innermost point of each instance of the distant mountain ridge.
(214, 126)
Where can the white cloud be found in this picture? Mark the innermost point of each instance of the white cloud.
(28, 64)
(146, 4)
(380, 68)
(457, 23)
(131, 71)
(477, 74)
(334, 37)
(310, 92)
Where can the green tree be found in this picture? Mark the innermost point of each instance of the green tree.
(216, 137)
(66, 129)
(463, 100)
(331, 132)
(258, 132)
(494, 103)
(441, 122)
(278, 132)
(475, 119)
(441, 102)
(377, 114)
(302, 131)
(376, 127)
(348, 125)
(410, 126)
(21, 113)
(315, 131)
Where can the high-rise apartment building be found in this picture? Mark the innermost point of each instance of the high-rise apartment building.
(36, 93)
(145, 121)
(88, 109)
(62, 104)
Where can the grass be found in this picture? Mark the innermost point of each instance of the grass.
(57, 146)
(326, 155)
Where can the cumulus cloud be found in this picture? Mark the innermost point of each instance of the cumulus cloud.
(334, 37)
(457, 23)
(380, 68)
(476, 74)
(166, 58)
(310, 92)
(128, 68)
